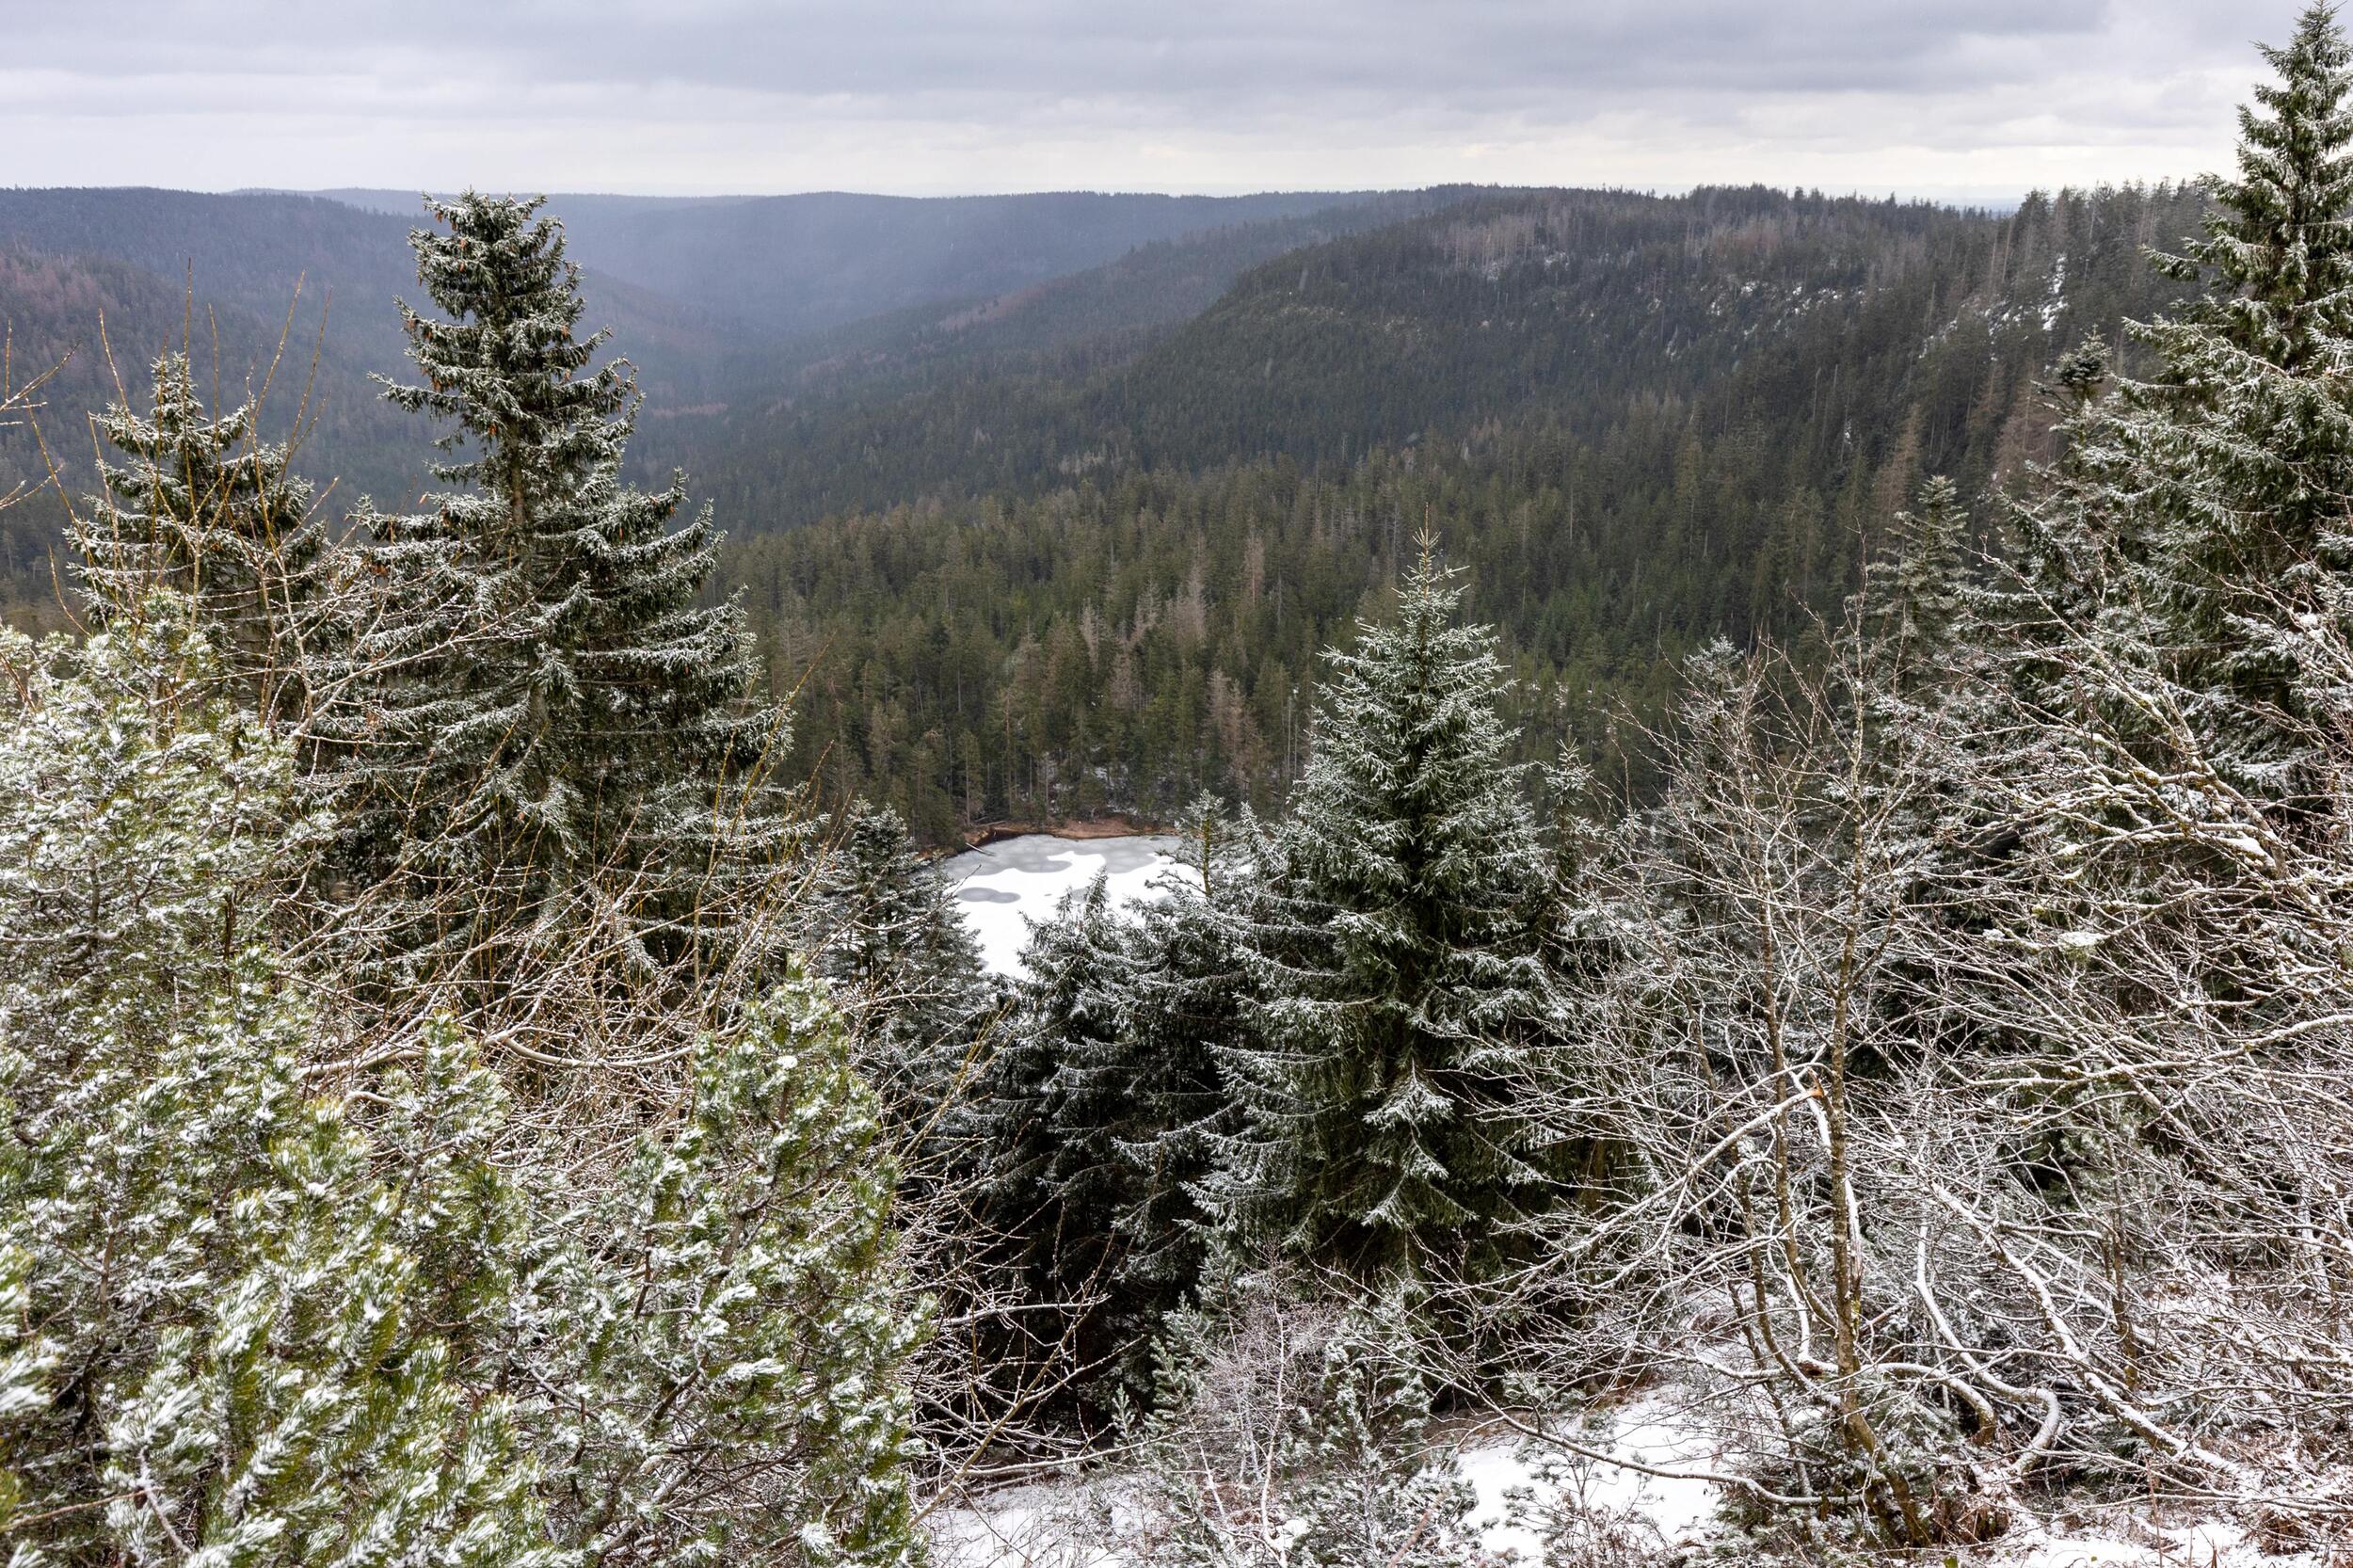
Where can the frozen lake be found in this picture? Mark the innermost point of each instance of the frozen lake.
(1003, 886)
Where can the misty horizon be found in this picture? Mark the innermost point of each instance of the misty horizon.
(1967, 103)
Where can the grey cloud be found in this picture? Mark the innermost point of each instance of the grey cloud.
(1958, 77)
(1217, 46)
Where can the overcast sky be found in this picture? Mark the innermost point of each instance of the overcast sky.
(1954, 97)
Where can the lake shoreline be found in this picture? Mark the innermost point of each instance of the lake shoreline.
(1078, 830)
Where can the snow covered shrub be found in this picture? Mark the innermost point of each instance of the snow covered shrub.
(1753, 1232)
(721, 1344)
(1295, 1433)
(707, 1342)
(244, 1321)
(218, 1349)
(26, 1362)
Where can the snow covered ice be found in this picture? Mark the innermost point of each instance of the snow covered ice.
(1001, 888)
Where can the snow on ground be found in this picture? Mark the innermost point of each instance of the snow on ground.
(1044, 1525)
(1069, 1524)
(1651, 1432)
(1079, 1522)
(2136, 1543)
(999, 884)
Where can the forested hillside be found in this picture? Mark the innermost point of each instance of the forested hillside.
(1108, 310)
(1644, 423)
(717, 304)
(1498, 308)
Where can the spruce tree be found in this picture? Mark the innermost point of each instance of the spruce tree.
(2072, 535)
(1184, 1011)
(1106, 1115)
(904, 965)
(1049, 1106)
(1916, 600)
(1400, 960)
(197, 503)
(554, 702)
(2246, 431)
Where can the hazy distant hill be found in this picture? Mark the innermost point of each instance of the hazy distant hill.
(1496, 309)
(134, 255)
(1104, 307)
(794, 264)
(705, 296)
(723, 305)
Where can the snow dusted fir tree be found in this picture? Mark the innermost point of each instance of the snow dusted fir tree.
(558, 703)
(1915, 602)
(901, 961)
(2246, 429)
(1185, 1008)
(2077, 546)
(1049, 1106)
(1399, 954)
(196, 503)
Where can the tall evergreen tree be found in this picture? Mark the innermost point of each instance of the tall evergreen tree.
(2247, 429)
(198, 504)
(557, 701)
(904, 965)
(1400, 958)
(1186, 1009)
(1106, 1115)
(1915, 597)
(1048, 1109)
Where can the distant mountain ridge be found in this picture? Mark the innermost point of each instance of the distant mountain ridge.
(705, 297)
(1475, 311)
(230, 273)
(796, 264)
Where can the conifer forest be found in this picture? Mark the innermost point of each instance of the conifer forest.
(1748, 956)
